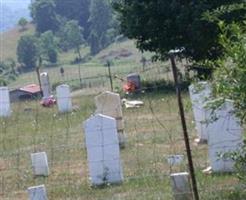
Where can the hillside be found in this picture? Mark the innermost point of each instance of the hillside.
(9, 40)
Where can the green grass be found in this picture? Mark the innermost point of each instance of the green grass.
(146, 172)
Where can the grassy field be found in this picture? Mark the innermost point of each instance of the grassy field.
(153, 132)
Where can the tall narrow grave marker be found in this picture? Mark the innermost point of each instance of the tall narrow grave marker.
(103, 152)
(5, 110)
(64, 100)
(199, 94)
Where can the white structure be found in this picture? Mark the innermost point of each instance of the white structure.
(181, 186)
(109, 103)
(224, 136)
(5, 109)
(199, 94)
(37, 193)
(45, 84)
(40, 164)
(103, 153)
(175, 159)
(64, 100)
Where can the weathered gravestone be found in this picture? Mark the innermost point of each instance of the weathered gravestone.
(109, 103)
(37, 193)
(64, 100)
(103, 153)
(134, 78)
(5, 110)
(40, 164)
(181, 186)
(45, 84)
(224, 136)
(199, 94)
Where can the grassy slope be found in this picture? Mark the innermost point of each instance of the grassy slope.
(9, 41)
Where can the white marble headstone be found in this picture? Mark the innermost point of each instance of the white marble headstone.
(224, 136)
(109, 103)
(40, 164)
(64, 100)
(103, 153)
(37, 193)
(45, 84)
(5, 110)
(199, 94)
(181, 186)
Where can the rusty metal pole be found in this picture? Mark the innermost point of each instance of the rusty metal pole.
(185, 132)
(110, 75)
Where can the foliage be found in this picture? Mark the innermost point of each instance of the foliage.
(230, 75)
(44, 15)
(159, 26)
(22, 23)
(75, 10)
(48, 47)
(7, 71)
(27, 51)
(72, 37)
(101, 21)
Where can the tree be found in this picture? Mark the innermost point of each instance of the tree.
(75, 10)
(27, 51)
(230, 75)
(48, 47)
(101, 20)
(44, 15)
(159, 26)
(72, 37)
(22, 23)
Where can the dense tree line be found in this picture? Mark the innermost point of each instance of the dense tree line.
(94, 18)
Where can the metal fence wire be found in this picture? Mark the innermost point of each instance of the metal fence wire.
(153, 136)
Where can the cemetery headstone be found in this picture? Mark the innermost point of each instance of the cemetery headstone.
(37, 193)
(103, 153)
(181, 186)
(135, 79)
(64, 100)
(5, 110)
(224, 136)
(199, 94)
(40, 164)
(109, 103)
(45, 84)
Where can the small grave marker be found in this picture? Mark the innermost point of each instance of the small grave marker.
(40, 164)
(37, 193)
(64, 100)
(181, 186)
(5, 110)
(103, 153)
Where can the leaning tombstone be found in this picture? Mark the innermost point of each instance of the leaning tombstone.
(224, 137)
(5, 110)
(40, 164)
(181, 186)
(45, 84)
(103, 153)
(64, 100)
(37, 193)
(199, 94)
(109, 103)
